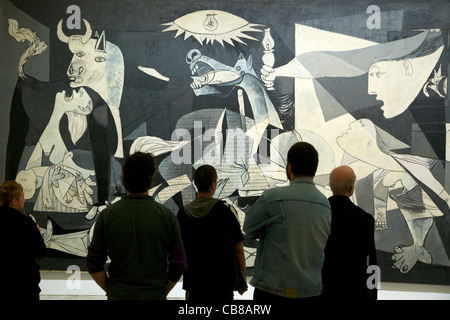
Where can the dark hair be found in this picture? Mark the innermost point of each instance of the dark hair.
(204, 177)
(138, 171)
(10, 190)
(303, 158)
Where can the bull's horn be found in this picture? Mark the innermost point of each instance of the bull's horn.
(88, 33)
(60, 33)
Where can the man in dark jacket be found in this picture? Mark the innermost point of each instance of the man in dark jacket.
(351, 244)
(212, 239)
(22, 244)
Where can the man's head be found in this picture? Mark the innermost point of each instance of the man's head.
(205, 177)
(342, 181)
(302, 160)
(11, 194)
(138, 171)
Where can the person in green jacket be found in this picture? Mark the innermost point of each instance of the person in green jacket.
(141, 237)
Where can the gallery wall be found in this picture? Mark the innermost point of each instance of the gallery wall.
(233, 84)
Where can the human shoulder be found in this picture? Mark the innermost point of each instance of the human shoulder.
(162, 209)
(18, 220)
(367, 216)
(229, 208)
(181, 212)
(274, 192)
(11, 214)
(306, 190)
(7, 210)
(136, 202)
(357, 209)
(342, 202)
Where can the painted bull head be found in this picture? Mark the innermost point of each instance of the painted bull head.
(99, 65)
(87, 67)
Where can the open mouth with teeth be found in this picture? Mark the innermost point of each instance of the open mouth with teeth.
(70, 97)
(202, 74)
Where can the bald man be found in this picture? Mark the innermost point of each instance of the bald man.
(350, 248)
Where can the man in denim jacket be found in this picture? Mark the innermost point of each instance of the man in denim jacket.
(293, 224)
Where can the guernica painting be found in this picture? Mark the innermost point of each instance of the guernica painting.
(233, 84)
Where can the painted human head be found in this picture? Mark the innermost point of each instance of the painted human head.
(359, 140)
(28, 180)
(398, 82)
(368, 143)
(78, 102)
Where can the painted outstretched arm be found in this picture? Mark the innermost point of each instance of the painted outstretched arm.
(293, 69)
(303, 67)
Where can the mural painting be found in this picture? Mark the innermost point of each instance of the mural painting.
(233, 86)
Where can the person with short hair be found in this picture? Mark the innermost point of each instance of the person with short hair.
(22, 244)
(141, 237)
(212, 238)
(292, 224)
(351, 243)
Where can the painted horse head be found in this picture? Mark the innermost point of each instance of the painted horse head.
(210, 75)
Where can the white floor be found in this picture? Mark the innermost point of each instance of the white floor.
(61, 286)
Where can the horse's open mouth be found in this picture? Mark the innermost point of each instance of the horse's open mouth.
(202, 74)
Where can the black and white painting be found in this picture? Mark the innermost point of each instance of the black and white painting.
(232, 84)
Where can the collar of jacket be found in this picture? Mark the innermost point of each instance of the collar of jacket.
(303, 180)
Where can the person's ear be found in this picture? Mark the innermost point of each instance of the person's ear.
(288, 171)
(352, 189)
(14, 203)
(213, 187)
(408, 67)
